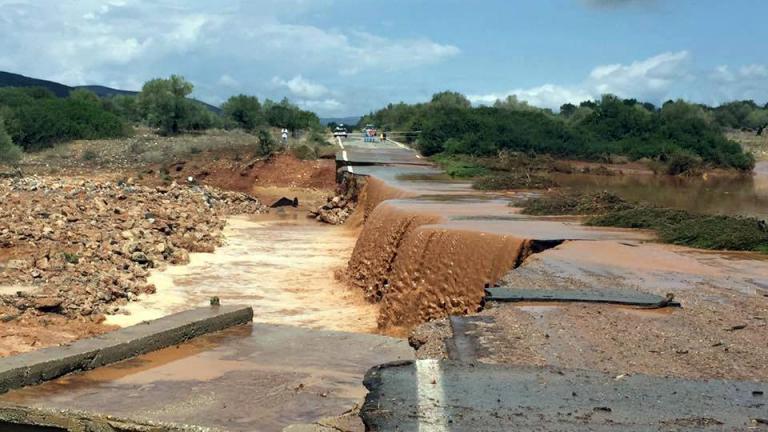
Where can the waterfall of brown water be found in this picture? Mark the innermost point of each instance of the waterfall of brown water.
(418, 265)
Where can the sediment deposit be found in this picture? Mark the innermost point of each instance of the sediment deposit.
(79, 248)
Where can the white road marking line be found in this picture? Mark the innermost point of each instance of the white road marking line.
(349, 168)
(431, 397)
(344, 155)
(340, 144)
(418, 156)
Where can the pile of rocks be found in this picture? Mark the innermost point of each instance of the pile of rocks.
(85, 247)
(340, 207)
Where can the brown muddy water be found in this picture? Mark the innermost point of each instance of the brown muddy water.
(282, 264)
(717, 194)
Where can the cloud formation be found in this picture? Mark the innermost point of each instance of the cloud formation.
(665, 76)
(301, 87)
(122, 43)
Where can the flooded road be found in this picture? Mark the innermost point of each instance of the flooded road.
(282, 264)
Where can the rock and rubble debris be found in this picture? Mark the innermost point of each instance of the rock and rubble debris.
(87, 246)
(341, 206)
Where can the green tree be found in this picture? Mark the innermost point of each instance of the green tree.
(567, 110)
(449, 99)
(511, 102)
(84, 95)
(757, 119)
(163, 103)
(10, 153)
(244, 111)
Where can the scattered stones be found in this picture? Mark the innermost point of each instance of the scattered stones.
(340, 207)
(89, 243)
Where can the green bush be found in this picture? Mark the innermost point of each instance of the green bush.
(575, 204)
(10, 153)
(267, 144)
(683, 162)
(304, 152)
(460, 166)
(673, 226)
(244, 112)
(36, 121)
(513, 180)
(89, 155)
(595, 131)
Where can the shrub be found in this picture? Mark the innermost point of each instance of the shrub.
(244, 112)
(89, 155)
(513, 180)
(40, 122)
(71, 258)
(575, 204)
(683, 162)
(687, 229)
(267, 144)
(460, 166)
(304, 152)
(10, 153)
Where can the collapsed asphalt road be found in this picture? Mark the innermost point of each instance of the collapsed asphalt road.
(431, 395)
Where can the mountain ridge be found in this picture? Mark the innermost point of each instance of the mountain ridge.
(10, 79)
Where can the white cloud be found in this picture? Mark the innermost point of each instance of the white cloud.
(301, 87)
(227, 81)
(547, 95)
(127, 41)
(745, 82)
(326, 105)
(652, 79)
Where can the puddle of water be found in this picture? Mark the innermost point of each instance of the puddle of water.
(281, 264)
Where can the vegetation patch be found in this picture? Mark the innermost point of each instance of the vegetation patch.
(680, 227)
(513, 180)
(680, 135)
(575, 204)
(460, 166)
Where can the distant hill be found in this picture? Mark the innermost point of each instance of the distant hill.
(8, 79)
(352, 120)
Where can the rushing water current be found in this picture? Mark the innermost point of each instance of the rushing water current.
(281, 264)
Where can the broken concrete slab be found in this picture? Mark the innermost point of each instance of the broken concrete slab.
(255, 377)
(24, 419)
(637, 298)
(49, 363)
(454, 396)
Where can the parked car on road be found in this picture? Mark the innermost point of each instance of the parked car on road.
(340, 131)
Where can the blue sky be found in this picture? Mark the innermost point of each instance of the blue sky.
(347, 57)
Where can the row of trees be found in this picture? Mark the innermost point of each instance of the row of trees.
(35, 118)
(594, 130)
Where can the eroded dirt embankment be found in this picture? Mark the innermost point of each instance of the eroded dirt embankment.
(418, 265)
